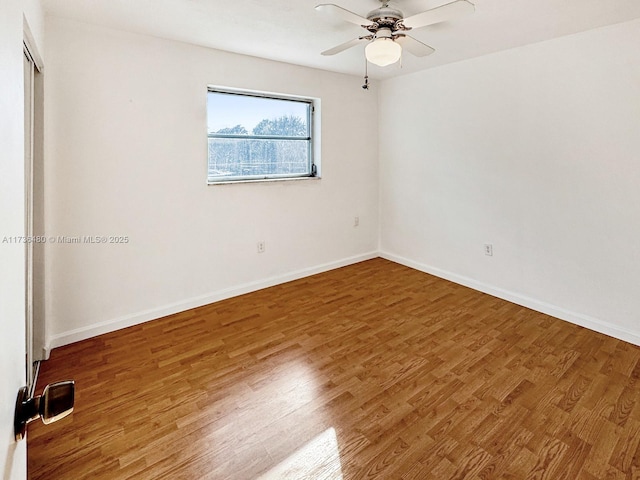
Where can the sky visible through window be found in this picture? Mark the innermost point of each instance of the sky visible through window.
(227, 111)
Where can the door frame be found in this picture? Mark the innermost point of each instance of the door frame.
(33, 164)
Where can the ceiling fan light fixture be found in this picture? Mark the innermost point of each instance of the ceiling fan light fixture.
(383, 51)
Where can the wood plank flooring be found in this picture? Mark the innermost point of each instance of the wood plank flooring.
(370, 371)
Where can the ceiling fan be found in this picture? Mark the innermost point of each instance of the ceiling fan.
(388, 29)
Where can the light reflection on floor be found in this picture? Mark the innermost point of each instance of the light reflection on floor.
(318, 459)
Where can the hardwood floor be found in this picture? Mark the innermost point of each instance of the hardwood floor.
(370, 371)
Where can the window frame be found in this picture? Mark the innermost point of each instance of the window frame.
(311, 139)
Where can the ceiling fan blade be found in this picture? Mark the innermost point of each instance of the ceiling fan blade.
(342, 47)
(343, 14)
(413, 46)
(443, 13)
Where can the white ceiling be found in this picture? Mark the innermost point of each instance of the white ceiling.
(293, 31)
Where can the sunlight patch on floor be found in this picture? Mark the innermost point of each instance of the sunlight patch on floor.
(318, 459)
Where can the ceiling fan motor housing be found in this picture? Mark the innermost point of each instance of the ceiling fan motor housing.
(385, 17)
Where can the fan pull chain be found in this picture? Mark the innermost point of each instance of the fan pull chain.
(366, 74)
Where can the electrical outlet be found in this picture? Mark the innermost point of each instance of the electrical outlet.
(356, 221)
(261, 246)
(488, 249)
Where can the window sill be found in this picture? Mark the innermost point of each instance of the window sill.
(262, 180)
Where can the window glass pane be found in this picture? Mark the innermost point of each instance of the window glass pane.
(246, 115)
(254, 137)
(237, 157)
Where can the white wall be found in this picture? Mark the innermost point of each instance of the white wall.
(34, 19)
(12, 280)
(535, 150)
(126, 155)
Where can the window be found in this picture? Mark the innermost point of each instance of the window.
(256, 137)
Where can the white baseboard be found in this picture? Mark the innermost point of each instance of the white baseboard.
(576, 318)
(96, 329)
